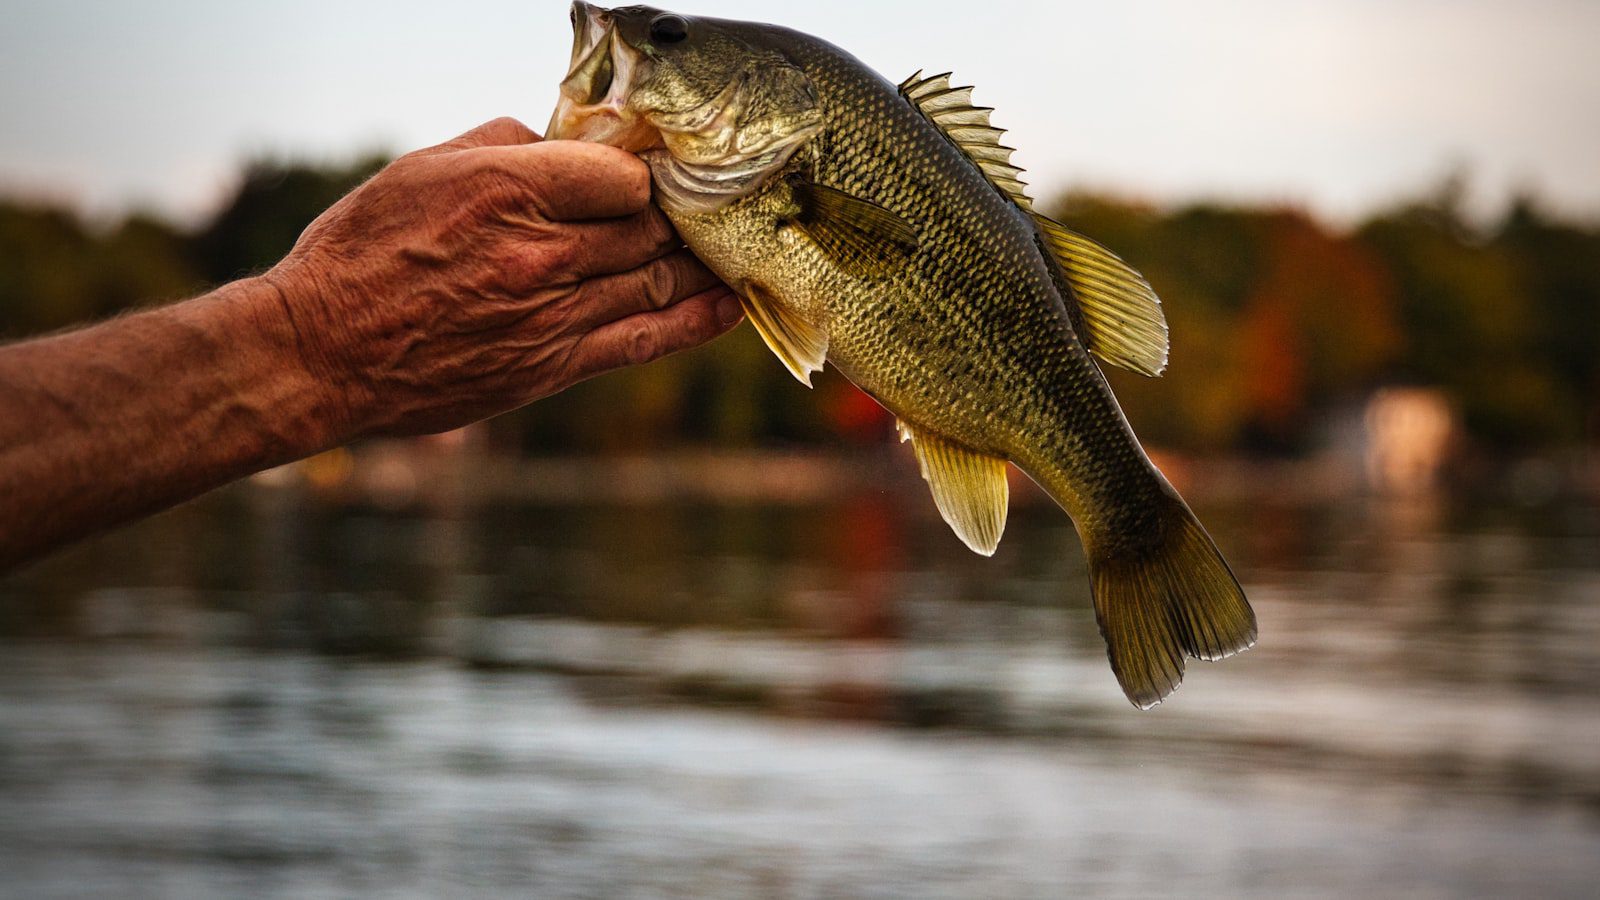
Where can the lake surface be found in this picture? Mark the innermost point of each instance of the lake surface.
(262, 695)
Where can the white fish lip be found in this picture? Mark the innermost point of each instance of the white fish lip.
(606, 66)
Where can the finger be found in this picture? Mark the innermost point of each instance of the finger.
(538, 254)
(646, 336)
(610, 246)
(655, 285)
(574, 180)
(501, 132)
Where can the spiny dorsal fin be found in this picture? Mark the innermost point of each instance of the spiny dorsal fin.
(951, 111)
(969, 488)
(801, 346)
(1121, 315)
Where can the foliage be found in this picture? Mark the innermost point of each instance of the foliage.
(274, 202)
(55, 272)
(1277, 320)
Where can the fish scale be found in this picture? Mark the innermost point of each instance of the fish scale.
(890, 237)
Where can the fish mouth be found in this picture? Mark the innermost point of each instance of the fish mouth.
(593, 105)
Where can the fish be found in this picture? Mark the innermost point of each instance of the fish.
(882, 228)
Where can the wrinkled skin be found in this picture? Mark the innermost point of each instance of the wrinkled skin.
(461, 281)
(437, 294)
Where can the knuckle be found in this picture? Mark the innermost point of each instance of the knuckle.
(642, 346)
(661, 284)
(518, 267)
(529, 256)
(490, 174)
(504, 125)
(559, 259)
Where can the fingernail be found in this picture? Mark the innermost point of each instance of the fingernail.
(728, 311)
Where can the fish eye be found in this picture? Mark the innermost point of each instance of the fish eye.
(668, 29)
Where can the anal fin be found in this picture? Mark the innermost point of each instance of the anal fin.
(969, 488)
(801, 346)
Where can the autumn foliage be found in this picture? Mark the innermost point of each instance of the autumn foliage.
(1279, 323)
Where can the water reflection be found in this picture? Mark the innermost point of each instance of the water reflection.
(260, 694)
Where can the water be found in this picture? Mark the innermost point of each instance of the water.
(257, 695)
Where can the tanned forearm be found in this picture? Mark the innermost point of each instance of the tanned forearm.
(109, 423)
(462, 281)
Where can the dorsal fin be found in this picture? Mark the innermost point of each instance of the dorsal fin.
(1121, 316)
(951, 111)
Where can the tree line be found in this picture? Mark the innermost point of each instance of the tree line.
(1278, 321)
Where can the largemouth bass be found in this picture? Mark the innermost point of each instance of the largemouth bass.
(883, 229)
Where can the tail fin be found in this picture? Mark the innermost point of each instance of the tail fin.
(1162, 601)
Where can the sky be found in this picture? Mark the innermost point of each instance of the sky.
(1340, 106)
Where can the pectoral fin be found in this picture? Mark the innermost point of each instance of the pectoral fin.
(800, 345)
(861, 236)
(969, 488)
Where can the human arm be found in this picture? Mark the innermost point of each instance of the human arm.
(461, 282)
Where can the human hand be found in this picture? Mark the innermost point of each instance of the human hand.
(474, 277)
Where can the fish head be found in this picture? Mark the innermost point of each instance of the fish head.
(717, 101)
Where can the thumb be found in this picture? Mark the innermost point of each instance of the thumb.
(502, 132)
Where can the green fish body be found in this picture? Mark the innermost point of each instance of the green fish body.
(882, 229)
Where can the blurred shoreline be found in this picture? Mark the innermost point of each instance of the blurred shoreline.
(440, 474)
